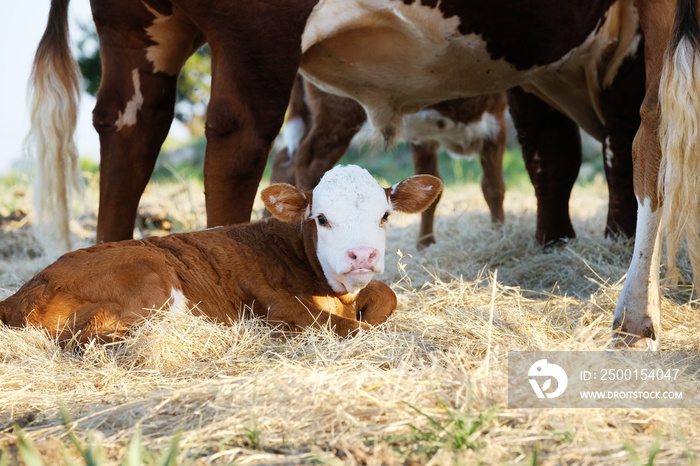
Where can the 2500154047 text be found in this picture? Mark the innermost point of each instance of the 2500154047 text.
(643, 374)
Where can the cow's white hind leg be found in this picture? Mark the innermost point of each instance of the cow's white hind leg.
(637, 316)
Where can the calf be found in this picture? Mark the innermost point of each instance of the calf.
(320, 127)
(312, 264)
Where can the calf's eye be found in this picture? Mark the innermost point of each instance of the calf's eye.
(385, 218)
(322, 220)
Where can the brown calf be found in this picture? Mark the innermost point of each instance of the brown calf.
(320, 127)
(311, 265)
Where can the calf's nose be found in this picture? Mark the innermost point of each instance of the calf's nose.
(362, 257)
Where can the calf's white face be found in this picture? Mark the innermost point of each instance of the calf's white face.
(351, 212)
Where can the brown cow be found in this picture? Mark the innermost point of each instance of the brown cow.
(320, 127)
(311, 265)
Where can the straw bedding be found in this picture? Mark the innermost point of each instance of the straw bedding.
(398, 395)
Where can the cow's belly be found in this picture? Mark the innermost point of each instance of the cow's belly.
(400, 69)
(395, 58)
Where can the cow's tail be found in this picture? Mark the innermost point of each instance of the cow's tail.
(679, 132)
(54, 91)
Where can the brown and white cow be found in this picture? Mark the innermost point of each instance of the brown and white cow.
(321, 126)
(311, 265)
(394, 57)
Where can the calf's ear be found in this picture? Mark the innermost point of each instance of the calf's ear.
(285, 202)
(415, 194)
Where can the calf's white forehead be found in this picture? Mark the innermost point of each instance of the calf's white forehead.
(348, 187)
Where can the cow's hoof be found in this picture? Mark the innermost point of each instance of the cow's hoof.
(553, 245)
(643, 338)
(425, 242)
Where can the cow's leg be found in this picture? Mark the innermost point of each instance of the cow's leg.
(375, 303)
(283, 167)
(620, 106)
(637, 315)
(243, 118)
(129, 151)
(255, 57)
(492, 183)
(135, 105)
(336, 120)
(622, 204)
(551, 146)
(298, 124)
(425, 162)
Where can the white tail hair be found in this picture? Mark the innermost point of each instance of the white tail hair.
(679, 132)
(54, 92)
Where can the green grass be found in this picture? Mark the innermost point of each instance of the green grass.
(92, 454)
(460, 431)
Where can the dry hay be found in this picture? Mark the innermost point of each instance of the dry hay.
(239, 394)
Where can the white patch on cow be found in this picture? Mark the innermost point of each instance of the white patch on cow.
(608, 153)
(129, 116)
(459, 139)
(292, 135)
(174, 41)
(639, 300)
(353, 204)
(490, 127)
(178, 302)
(537, 158)
(331, 16)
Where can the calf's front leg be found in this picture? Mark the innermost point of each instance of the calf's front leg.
(296, 313)
(375, 303)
